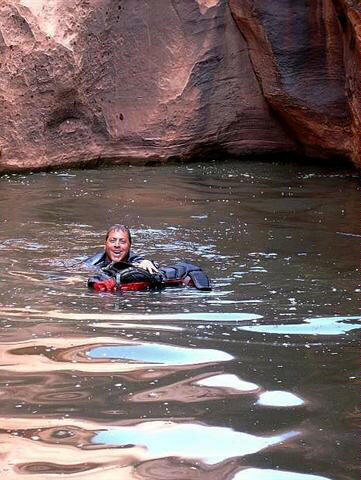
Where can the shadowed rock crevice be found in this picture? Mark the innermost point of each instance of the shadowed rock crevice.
(349, 16)
(301, 64)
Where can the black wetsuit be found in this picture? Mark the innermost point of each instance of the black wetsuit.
(100, 259)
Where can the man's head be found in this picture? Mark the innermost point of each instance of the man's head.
(117, 243)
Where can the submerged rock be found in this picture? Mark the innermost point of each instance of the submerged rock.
(143, 81)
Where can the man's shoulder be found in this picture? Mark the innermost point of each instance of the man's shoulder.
(96, 260)
(133, 257)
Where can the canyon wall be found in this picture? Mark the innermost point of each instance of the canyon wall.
(90, 81)
(306, 55)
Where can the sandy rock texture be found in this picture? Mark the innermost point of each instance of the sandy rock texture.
(150, 80)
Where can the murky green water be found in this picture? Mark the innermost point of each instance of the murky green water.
(257, 379)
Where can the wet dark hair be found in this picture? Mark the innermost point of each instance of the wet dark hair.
(116, 228)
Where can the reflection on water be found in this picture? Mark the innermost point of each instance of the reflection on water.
(279, 399)
(188, 440)
(228, 381)
(311, 326)
(254, 380)
(163, 354)
(251, 473)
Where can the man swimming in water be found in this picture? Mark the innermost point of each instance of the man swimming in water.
(117, 246)
(113, 275)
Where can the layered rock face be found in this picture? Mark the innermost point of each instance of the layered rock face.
(151, 80)
(306, 55)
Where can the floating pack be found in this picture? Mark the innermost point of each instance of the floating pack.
(122, 276)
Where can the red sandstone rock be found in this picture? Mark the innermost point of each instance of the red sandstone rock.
(349, 14)
(306, 56)
(144, 80)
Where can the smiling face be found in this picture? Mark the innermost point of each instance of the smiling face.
(117, 246)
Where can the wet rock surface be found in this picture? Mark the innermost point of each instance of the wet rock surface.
(144, 81)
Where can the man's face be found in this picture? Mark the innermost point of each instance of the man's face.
(117, 246)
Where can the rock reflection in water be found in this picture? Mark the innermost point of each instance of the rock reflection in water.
(39, 458)
(198, 388)
(42, 468)
(190, 449)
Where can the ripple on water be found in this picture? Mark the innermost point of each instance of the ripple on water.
(134, 317)
(42, 468)
(199, 388)
(66, 412)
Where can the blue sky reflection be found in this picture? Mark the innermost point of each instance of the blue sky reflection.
(264, 474)
(310, 326)
(212, 444)
(156, 353)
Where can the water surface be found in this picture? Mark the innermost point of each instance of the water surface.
(254, 380)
